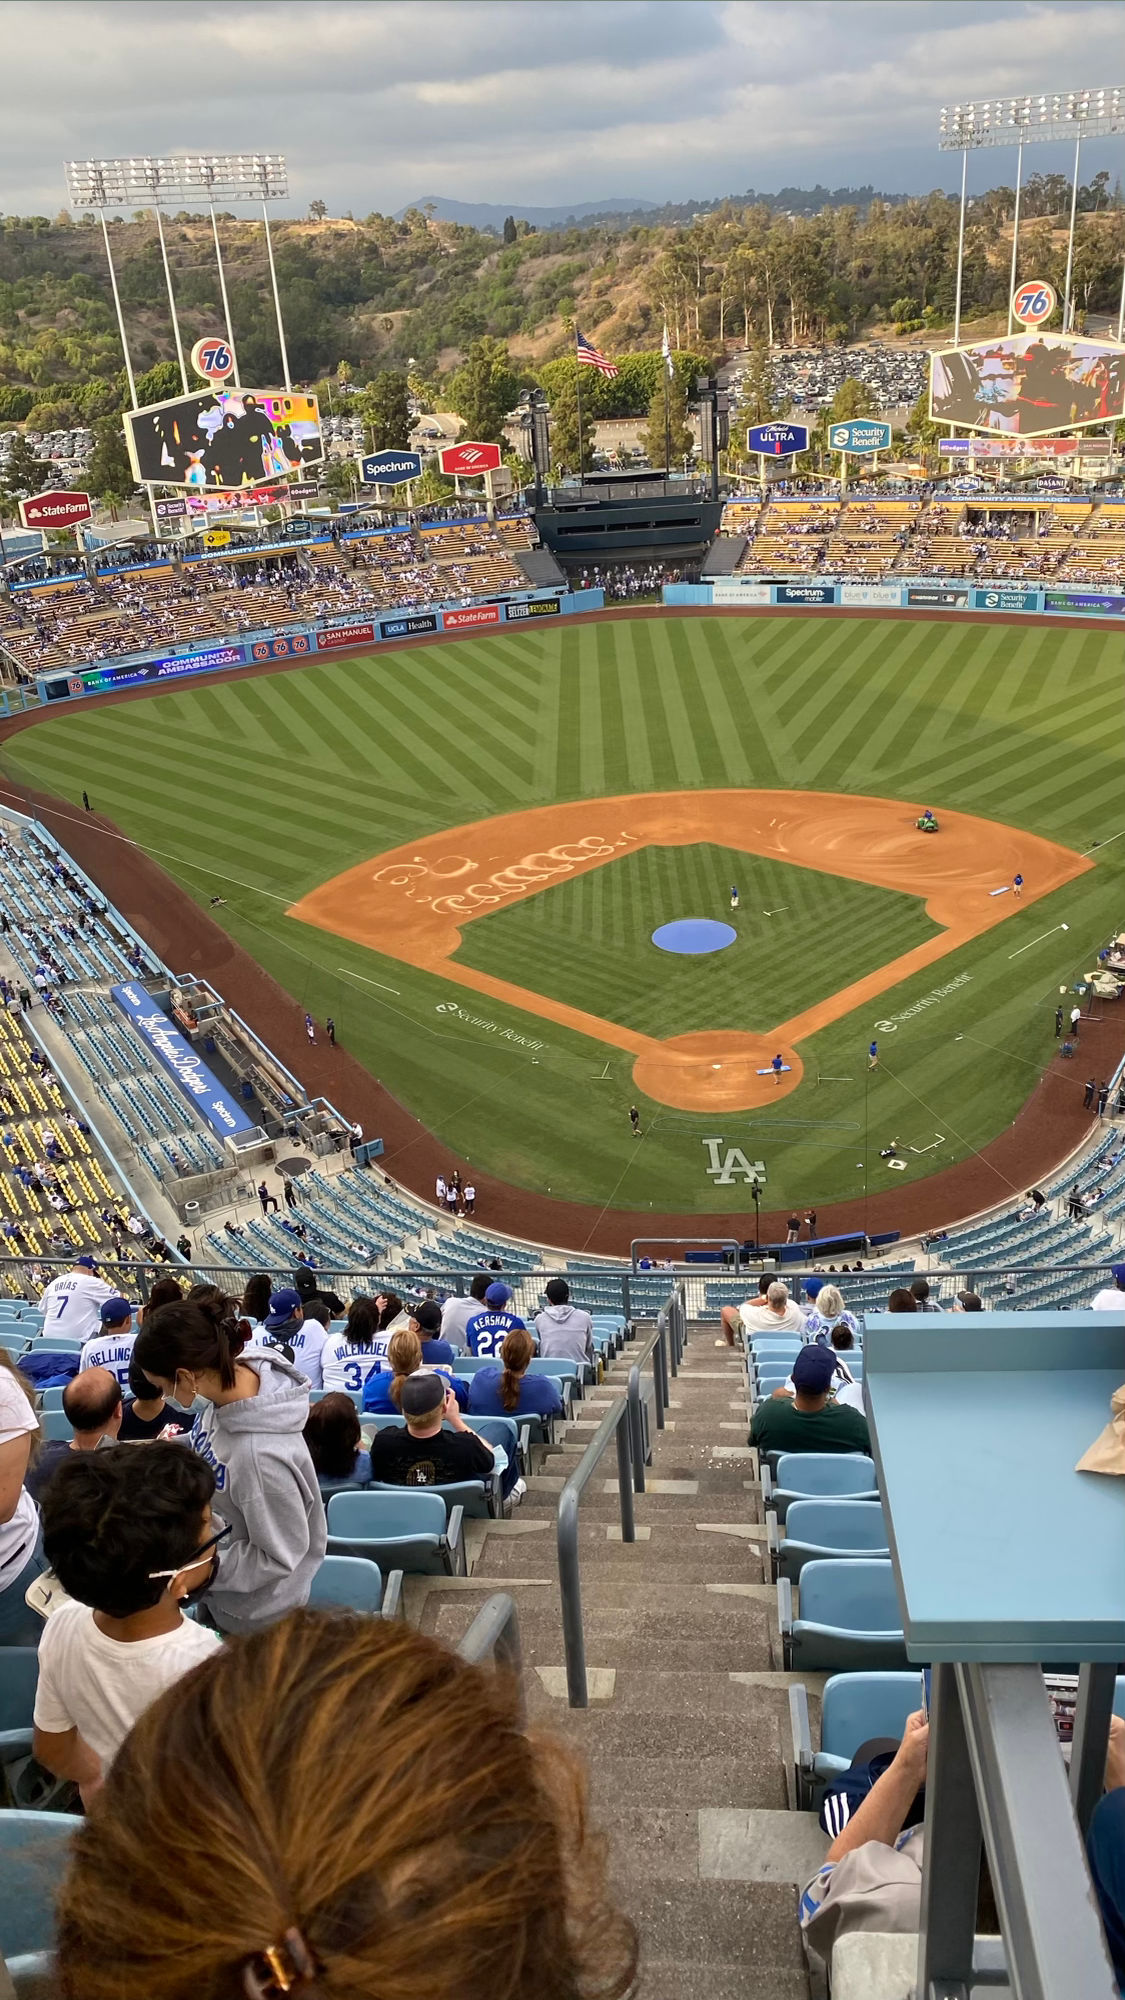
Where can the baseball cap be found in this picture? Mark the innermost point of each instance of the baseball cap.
(814, 1368)
(427, 1315)
(115, 1310)
(814, 1284)
(498, 1294)
(87, 1263)
(422, 1393)
(1119, 1274)
(283, 1305)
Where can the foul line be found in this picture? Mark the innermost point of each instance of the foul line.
(91, 820)
(1103, 843)
(349, 974)
(960, 1136)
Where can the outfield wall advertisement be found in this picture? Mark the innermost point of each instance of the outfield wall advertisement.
(307, 641)
(914, 594)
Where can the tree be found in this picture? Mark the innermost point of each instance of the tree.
(339, 478)
(564, 426)
(759, 402)
(432, 486)
(384, 406)
(109, 475)
(23, 474)
(666, 444)
(160, 385)
(344, 373)
(318, 210)
(484, 389)
(509, 229)
(852, 399)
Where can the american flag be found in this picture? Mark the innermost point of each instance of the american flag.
(584, 350)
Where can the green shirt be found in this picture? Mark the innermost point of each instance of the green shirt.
(778, 1425)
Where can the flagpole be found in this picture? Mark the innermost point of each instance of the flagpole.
(578, 396)
(666, 361)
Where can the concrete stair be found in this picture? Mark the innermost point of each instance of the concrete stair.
(687, 1733)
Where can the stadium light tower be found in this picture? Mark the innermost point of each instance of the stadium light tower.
(1022, 121)
(184, 180)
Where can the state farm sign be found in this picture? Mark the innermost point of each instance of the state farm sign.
(56, 509)
(468, 459)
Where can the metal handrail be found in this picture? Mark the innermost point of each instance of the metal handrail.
(495, 1634)
(621, 1423)
(665, 1347)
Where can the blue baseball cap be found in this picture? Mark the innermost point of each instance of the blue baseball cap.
(115, 1310)
(814, 1284)
(283, 1305)
(87, 1263)
(814, 1368)
(1119, 1274)
(498, 1294)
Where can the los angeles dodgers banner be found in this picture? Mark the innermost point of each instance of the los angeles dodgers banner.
(171, 1048)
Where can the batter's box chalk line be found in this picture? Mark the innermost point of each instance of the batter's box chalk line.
(897, 1166)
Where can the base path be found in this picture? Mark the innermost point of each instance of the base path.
(414, 901)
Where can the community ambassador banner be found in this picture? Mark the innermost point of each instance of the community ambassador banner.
(171, 1048)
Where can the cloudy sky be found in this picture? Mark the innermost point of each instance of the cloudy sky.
(378, 102)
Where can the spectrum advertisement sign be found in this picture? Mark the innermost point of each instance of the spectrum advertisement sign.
(805, 593)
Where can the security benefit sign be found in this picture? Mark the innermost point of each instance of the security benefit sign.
(859, 437)
(226, 438)
(171, 1049)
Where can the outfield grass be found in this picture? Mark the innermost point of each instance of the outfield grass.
(593, 937)
(260, 789)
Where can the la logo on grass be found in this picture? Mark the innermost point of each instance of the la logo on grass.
(726, 1168)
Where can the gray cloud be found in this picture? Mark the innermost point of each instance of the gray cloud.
(376, 103)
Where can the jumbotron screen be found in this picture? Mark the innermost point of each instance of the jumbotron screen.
(1029, 384)
(224, 438)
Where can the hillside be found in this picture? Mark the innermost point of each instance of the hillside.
(415, 292)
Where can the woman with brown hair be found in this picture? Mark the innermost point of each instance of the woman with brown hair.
(316, 1861)
(335, 1444)
(509, 1391)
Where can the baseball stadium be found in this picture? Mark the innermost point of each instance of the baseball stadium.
(520, 982)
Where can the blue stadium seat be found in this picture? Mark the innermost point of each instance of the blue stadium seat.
(348, 1583)
(855, 1708)
(402, 1527)
(55, 1424)
(34, 1853)
(850, 1619)
(822, 1529)
(817, 1475)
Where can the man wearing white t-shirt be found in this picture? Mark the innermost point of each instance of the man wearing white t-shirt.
(112, 1346)
(298, 1336)
(20, 1561)
(72, 1304)
(130, 1538)
(776, 1312)
(1112, 1297)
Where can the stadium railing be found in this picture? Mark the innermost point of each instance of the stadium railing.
(623, 1423)
(495, 1635)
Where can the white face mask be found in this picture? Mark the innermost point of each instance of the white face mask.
(183, 1397)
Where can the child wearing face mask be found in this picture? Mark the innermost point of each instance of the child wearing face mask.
(130, 1537)
(251, 1434)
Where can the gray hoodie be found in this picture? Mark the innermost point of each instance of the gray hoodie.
(266, 1491)
(566, 1333)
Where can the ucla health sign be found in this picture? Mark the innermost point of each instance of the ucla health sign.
(860, 436)
(390, 468)
(777, 440)
(171, 1048)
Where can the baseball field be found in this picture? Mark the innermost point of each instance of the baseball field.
(462, 851)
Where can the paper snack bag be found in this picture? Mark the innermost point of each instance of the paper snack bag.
(1107, 1453)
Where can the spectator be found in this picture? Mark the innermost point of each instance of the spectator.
(335, 1443)
(382, 1387)
(349, 1356)
(811, 1420)
(256, 1298)
(828, 1313)
(457, 1312)
(566, 1333)
(902, 1301)
(147, 1415)
(112, 1347)
(304, 1281)
(20, 1558)
(92, 1406)
(921, 1290)
(130, 1537)
(508, 1390)
(72, 1304)
(251, 1432)
(488, 1329)
(1112, 1297)
(871, 1857)
(778, 1314)
(425, 1453)
(390, 1311)
(164, 1292)
(339, 1883)
(1105, 1847)
(301, 1341)
(425, 1320)
(968, 1302)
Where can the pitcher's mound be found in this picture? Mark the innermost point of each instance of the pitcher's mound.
(718, 1070)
